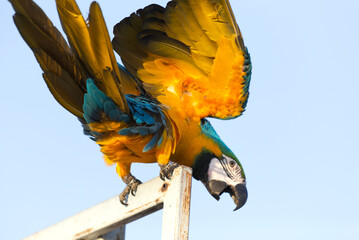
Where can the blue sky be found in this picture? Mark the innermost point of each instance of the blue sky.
(298, 140)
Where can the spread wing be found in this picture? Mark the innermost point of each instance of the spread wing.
(85, 79)
(189, 55)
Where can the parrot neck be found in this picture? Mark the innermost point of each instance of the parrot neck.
(200, 165)
(193, 145)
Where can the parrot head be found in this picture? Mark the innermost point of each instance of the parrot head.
(222, 173)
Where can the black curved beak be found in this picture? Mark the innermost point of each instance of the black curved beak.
(238, 192)
(239, 195)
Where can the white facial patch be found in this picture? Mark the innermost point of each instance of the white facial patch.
(226, 170)
(215, 170)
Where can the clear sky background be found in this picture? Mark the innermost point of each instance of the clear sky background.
(298, 140)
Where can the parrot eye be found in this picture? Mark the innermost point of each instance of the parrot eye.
(232, 168)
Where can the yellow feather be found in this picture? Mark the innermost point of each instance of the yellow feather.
(164, 150)
(222, 66)
(123, 169)
(108, 162)
(184, 26)
(65, 92)
(77, 33)
(126, 44)
(211, 83)
(93, 46)
(63, 73)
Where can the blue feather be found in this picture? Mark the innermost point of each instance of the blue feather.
(141, 109)
(96, 103)
(88, 99)
(149, 119)
(209, 131)
(143, 131)
(151, 144)
(160, 141)
(147, 116)
(90, 114)
(97, 95)
(108, 106)
(88, 119)
(154, 128)
(125, 131)
(117, 115)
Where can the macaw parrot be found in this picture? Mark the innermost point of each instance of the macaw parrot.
(182, 64)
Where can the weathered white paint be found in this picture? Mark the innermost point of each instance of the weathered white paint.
(99, 221)
(176, 207)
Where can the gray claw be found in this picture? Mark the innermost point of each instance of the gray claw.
(124, 195)
(167, 170)
(132, 184)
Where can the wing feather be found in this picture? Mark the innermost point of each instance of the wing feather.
(126, 43)
(196, 61)
(92, 44)
(63, 74)
(66, 68)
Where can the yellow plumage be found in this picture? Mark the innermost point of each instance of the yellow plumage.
(183, 63)
(207, 78)
(198, 95)
(92, 43)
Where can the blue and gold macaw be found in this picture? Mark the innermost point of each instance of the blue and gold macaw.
(182, 64)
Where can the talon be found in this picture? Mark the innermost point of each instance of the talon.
(123, 202)
(167, 170)
(162, 176)
(132, 184)
(124, 195)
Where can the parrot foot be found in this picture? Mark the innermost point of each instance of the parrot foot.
(167, 170)
(132, 184)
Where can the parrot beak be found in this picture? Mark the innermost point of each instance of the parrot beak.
(239, 195)
(238, 192)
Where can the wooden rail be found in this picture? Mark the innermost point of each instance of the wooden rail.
(107, 220)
